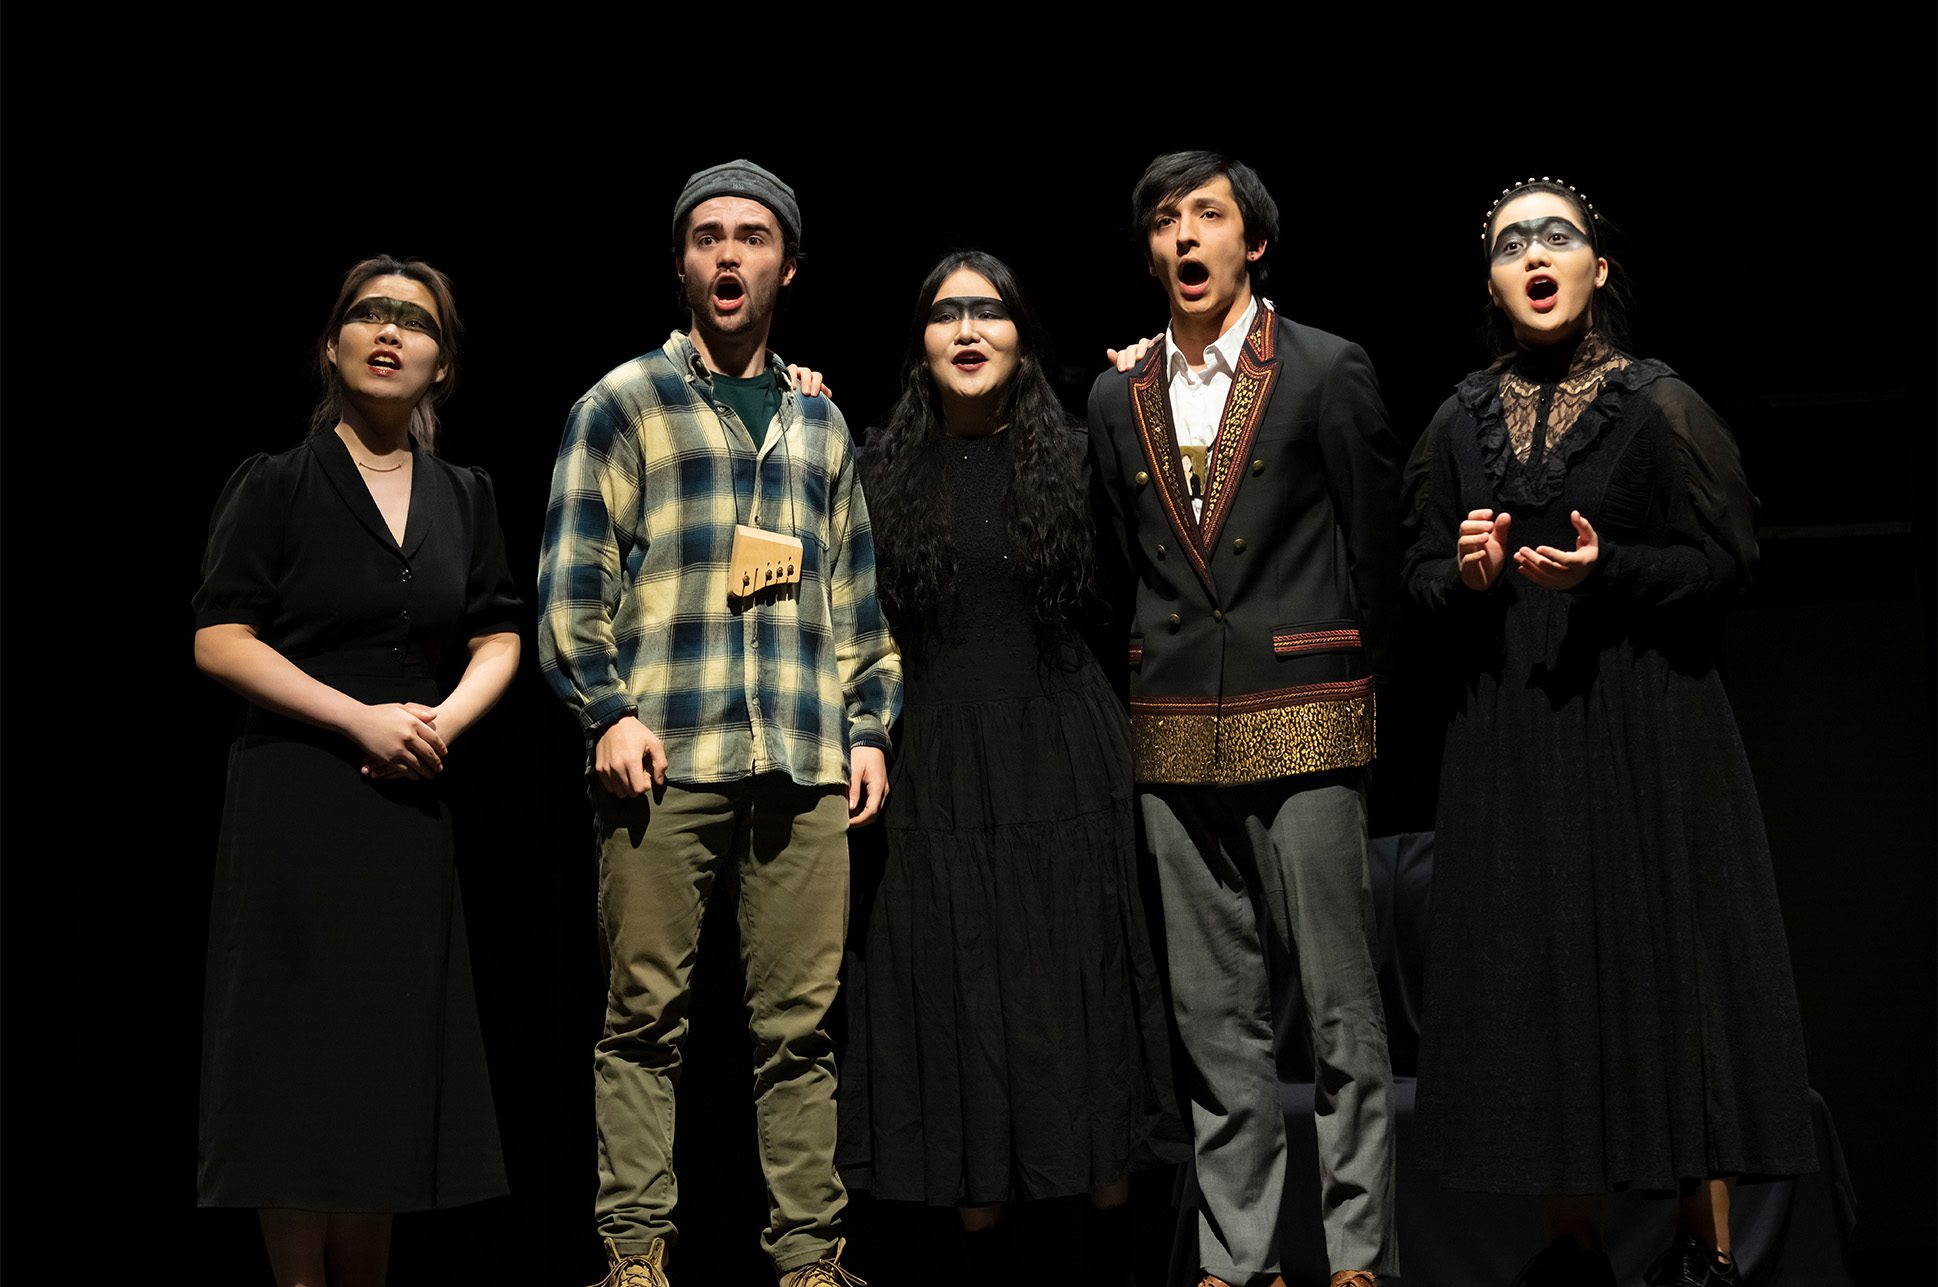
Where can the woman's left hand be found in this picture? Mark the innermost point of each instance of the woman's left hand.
(1561, 569)
(808, 382)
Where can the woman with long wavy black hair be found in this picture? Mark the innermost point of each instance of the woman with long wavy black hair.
(1007, 1035)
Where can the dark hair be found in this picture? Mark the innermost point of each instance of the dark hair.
(1176, 173)
(1611, 303)
(423, 417)
(909, 505)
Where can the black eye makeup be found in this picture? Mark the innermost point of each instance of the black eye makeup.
(382, 310)
(953, 308)
(1552, 233)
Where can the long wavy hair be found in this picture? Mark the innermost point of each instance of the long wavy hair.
(423, 417)
(908, 501)
(1612, 304)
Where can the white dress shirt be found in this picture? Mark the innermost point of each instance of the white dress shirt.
(1198, 397)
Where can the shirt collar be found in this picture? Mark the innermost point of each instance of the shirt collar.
(685, 354)
(1222, 353)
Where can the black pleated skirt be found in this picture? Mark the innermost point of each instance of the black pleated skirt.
(1007, 1038)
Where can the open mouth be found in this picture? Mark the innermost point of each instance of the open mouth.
(728, 290)
(384, 362)
(1543, 288)
(1193, 273)
(969, 361)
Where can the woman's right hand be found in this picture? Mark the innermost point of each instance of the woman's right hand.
(398, 742)
(1482, 548)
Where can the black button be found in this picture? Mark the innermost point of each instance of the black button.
(1238, 545)
(1258, 467)
(404, 575)
(1216, 615)
(396, 652)
(404, 615)
(1160, 551)
(1176, 621)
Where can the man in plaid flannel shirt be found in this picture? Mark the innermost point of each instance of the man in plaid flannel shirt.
(732, 736)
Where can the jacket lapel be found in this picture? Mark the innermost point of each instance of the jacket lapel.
(1151, 405)
(1251, 391)
(1245, 403)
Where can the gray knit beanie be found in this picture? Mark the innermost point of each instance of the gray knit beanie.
(740, 179)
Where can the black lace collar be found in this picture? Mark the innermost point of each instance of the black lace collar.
(1480, 396)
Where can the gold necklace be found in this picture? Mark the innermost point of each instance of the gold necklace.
(345, 440)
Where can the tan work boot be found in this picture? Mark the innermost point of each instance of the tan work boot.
(826, 1272)
(641, 1269)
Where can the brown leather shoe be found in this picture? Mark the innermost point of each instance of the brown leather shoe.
(1355, 1278)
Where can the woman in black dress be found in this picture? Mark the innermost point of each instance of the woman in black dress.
(1007, 1036)
(343, 1072)
(1609, 1001)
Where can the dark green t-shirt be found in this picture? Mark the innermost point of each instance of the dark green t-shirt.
(755, 399)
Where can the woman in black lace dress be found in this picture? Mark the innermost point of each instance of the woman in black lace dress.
(1609, 999)
(1007, 1036)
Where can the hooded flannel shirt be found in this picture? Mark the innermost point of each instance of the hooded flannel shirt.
(634, 616)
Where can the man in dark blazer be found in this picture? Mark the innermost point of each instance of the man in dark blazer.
(1248, 498)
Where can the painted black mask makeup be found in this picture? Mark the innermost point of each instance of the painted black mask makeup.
(984, 308)
(382, 310)
(1553, 233)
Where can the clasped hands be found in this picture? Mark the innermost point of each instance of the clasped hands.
(1481, 553)
(400, 740)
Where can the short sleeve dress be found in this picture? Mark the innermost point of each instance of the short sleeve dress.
(1007, 1036)
(342, 1064)
(1609, 1000)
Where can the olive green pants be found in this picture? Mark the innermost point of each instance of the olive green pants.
(781, 852)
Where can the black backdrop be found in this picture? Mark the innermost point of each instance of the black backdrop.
(175, 224)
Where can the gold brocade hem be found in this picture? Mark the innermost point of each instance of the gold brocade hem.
(1309, 729)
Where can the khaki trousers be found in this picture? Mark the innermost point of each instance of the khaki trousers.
(781, 852)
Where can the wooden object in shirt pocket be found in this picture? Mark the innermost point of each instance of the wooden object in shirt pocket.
(760, 561)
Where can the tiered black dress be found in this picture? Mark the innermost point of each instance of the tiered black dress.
(342, 1065)
(1006, 1028)
(1608, 993)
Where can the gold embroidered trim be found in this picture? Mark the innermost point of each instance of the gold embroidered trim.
(1287, 644)
(1308, 729)
(1251, 390)
(1153, 409)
